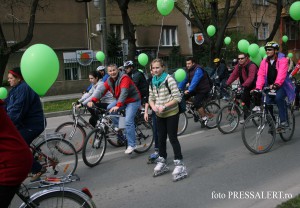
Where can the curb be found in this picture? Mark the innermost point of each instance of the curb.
(58, 113)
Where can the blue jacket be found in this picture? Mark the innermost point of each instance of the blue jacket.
(24, 108)
(105, 77)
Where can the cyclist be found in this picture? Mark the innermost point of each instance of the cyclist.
(139, 80)
(128, 97)
(199, 86)
(273, 73)
(103, 75)
(221, 74)
(87, 97)
(246, 71)
(24, 108)
(165, 105)
(15, 159)
(295, 73)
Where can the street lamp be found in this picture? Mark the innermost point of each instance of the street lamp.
(101, 4)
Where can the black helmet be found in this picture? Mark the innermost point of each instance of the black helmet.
(272, 44)
(128, 63)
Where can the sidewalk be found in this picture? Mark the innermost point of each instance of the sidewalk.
(57, 98)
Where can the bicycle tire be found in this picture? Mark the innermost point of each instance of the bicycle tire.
(95, 141)
(182, 123)
(144, 136)
(113, 139)
(78, 137)
(262, 143)
(212, 108)
(228, 119)
(59, 198)
(50, 154)
(288, 133)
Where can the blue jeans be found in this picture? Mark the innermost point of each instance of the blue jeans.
(279, 99)
(131, 109)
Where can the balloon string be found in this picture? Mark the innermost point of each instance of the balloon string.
(161, 28)
(43, 107)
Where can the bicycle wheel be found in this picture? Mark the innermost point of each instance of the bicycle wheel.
(144, 136)
(182, 124)
(259, 139)
(94, 148)
(288, 132)
(60, 198)
(228, 119)
(212, 109)
(50, 154)
(73, 134)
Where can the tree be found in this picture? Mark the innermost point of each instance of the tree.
(5, 50)
(203, 13)
(129, 31)
(279, 7)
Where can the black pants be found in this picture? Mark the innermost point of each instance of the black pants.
(7, 193)
(168, 127)
(94, 115)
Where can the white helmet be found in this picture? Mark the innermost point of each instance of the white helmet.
(100, 68)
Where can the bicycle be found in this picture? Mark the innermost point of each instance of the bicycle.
(74, 131)
(210, 108)
(260, 139)
(55, 154)
(56, 197)
(229, 115)
(96, 141)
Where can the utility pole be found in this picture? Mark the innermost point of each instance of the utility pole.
(101, 4)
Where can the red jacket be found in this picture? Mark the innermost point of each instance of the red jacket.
(15, 155)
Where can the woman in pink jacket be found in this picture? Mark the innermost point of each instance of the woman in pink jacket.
(273, 73)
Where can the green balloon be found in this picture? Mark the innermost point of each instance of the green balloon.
(243, 45)
(3, 93)
(39, 67)
(285, 38)
(180, 75)
(100, 56)
(227, 40)
(165, 7)
(211, 30)
(257, 59)
(143, 59)
(295, 11)
(253, 49)
(290, 55)
(262, 51)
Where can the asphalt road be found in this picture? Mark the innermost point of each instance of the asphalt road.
(222, 173)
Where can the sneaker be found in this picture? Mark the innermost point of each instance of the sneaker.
(130, 149)
(37, 176)
(225, 98)
(242, 121)
(256, 109)
(284, 124)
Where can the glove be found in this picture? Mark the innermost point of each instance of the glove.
(275, 86)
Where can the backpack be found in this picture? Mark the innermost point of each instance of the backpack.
(181, 104)
(247, 71)
(208, 77)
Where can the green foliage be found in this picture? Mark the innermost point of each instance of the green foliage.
(292, 203)
(61, 105)
(113, 45)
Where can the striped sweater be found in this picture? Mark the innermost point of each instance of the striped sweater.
(160, 96)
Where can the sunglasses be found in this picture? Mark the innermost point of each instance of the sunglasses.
(241, 58)
(269, 49)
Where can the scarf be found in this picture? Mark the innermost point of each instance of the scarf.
(157, 80)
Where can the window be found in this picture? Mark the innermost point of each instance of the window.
(169, 36)
(260, 2)
(263, 30)
(71, 73)
(292, 29)
(118, 30)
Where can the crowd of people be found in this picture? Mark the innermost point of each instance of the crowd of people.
(128, 88)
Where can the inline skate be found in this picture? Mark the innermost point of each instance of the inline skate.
(180, 171)
(161, 167)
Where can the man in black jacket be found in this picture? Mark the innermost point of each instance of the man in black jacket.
(139, 80)
(221, 76)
